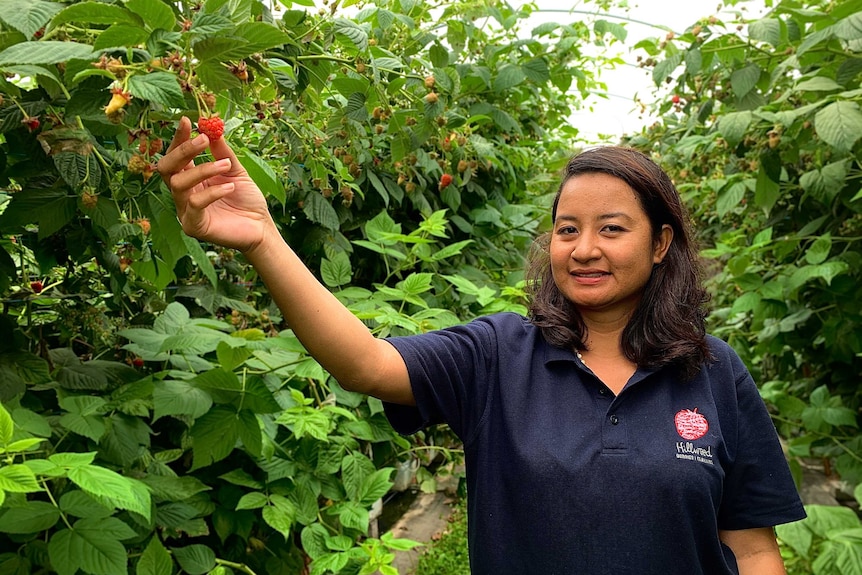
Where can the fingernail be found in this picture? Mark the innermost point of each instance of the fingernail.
(199, 140)
(224, 162)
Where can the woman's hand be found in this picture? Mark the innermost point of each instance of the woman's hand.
(216, 201)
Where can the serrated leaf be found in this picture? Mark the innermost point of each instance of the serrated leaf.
(155, 560)
(253, 500)
(7, 426)
(733, 126)
(320, 211)
(281, 515)
(179, 398)
(537, 71)
(819, 250)
(336, 271)
(154, 13)
(744, 80)
(123, 492)
(44, 52)
(730, 197)
(352, 31)
(195, 559)
(214, 435)
(88, 547)
(376, 485)
(95, 13)
(27, 16)
(508, 76)
(259, 37)
(355, 468)
(839, 124)
(116, 36)
(353, 516)
(18, 478)
(313, 539)
(262, 174)
(818, 84)
(159, 87)
(766, 30)
(32, 517)
(81, 504)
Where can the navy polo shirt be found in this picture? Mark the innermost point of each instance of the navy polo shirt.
(564, 477)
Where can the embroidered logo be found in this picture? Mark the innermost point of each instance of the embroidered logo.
(690, 424)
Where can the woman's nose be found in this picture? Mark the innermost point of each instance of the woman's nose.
(586, 248)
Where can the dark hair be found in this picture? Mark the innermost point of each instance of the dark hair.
(668, 325)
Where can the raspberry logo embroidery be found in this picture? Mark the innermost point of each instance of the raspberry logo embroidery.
(690, 424)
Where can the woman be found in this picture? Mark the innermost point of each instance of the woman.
(605, 434)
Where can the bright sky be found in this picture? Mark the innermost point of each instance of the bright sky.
(617, 113)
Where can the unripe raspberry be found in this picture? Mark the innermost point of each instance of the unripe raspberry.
(137, 164)
(430, 81)
(89, 200)
(431, 97)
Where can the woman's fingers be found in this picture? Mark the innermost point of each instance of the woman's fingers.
(185, 180)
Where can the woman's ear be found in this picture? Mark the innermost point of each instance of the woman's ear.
(662, 243)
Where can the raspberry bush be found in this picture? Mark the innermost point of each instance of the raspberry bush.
(156, 415)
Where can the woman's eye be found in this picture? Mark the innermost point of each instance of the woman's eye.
(613, 228)
(567, 230)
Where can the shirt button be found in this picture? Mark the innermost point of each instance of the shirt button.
(603, 391)
(614, 420)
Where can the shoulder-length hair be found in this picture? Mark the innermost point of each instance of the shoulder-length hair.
(668, 326)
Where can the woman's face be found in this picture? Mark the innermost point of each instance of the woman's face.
(602, 247)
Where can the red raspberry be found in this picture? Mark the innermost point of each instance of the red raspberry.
(36, 286)
(138, 362)
(675, 99)
(32, 123)
(213, 127)
(445, 180)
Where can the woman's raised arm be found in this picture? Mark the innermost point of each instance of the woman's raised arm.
(218, 202)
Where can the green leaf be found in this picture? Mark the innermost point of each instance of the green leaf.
(336, 271)
(259, 37)
(27, 16)
(262, 174)
(537, 71)
(154, 13)
(32, 517)
(352, 515)
(65, 552)
(313, 539)
(744, 80)
(68, 459)
(766, 30)
(666, 67)
(7, 426)
(116, 36)
(281, 515)
(91, 545)
(155, 560)
(44, 52)
(839, 124)
(818, 84)
(439, 55)
(253, 500)
(95, 13)
(819, 250)
(508, 76)
(320, 211)
(179, 398)
(195, 559)
(352, 31)
(355, 468)
(215, 435)
(124, 492)
(375, 486)
(730, 197)
(18, 478)
(81, 504)
(158, 87)
(766, 191)
(733, 126)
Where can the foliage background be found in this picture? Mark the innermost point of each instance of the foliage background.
(156, 414)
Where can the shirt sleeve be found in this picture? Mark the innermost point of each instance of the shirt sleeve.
(450, 373)
(758, 489)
